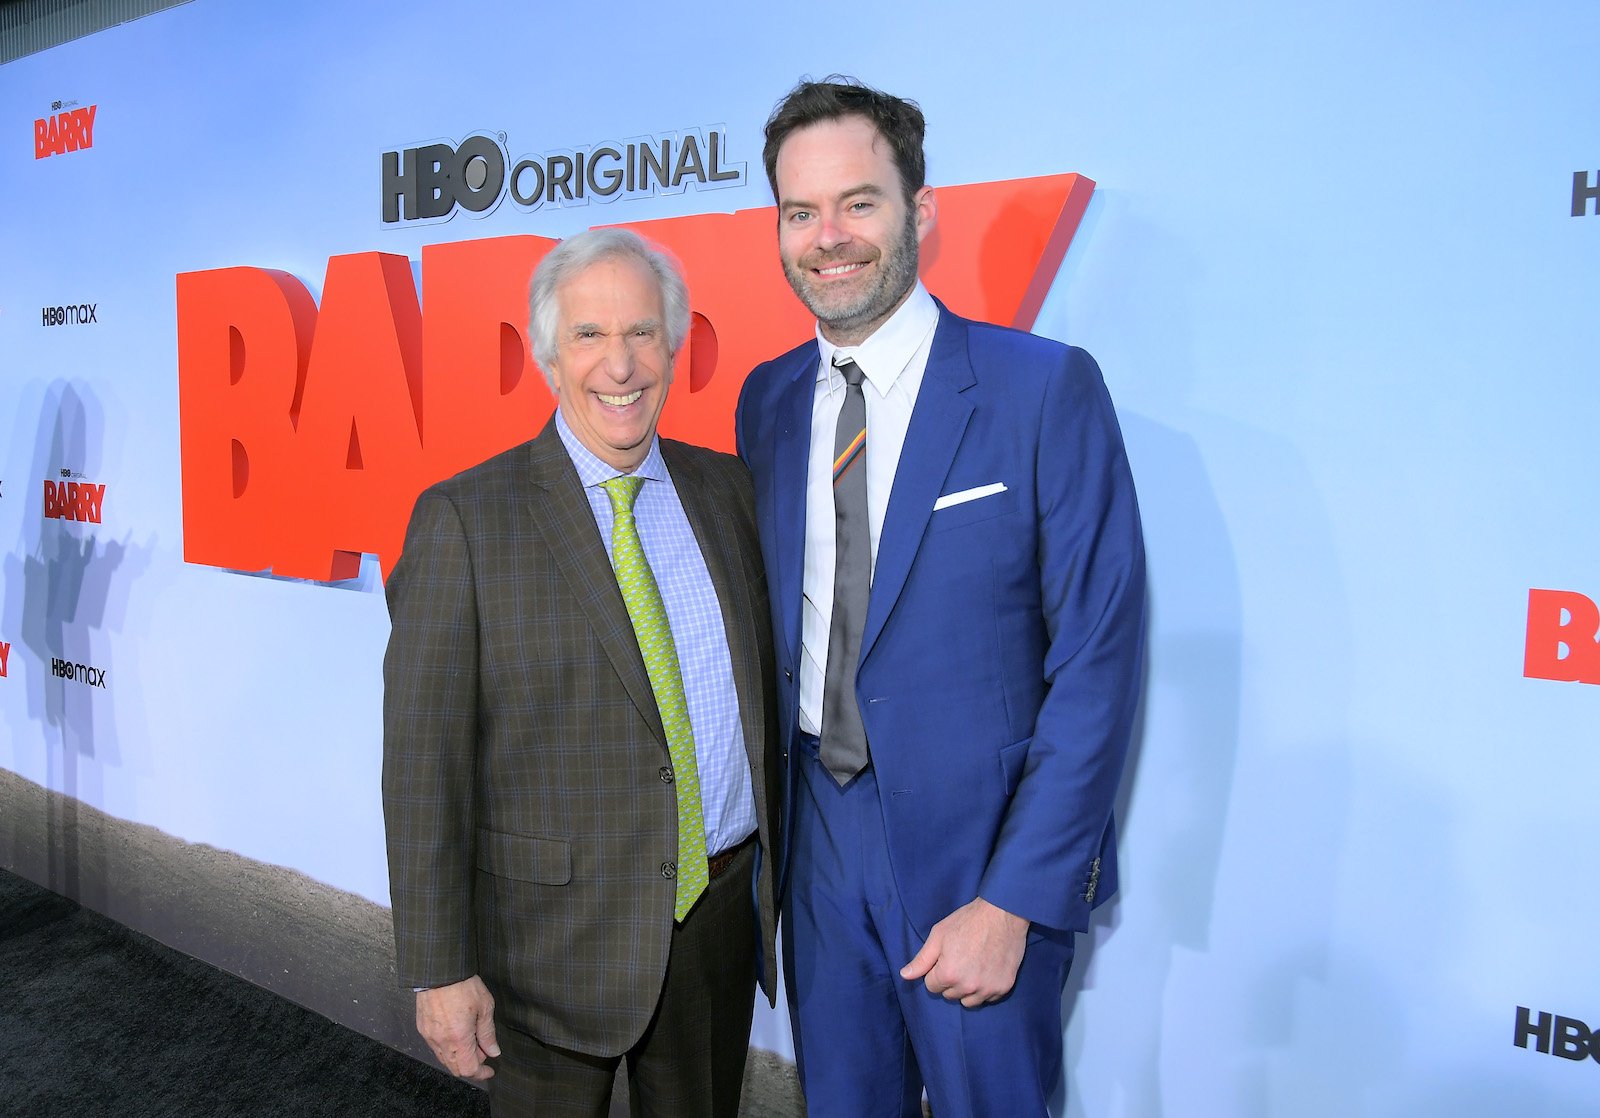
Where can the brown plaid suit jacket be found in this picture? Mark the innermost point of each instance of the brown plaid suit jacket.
(526, 815)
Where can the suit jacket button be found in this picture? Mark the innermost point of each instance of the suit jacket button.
(666, 774)
(669, 870)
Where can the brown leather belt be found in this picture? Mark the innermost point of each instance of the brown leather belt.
(718, 864)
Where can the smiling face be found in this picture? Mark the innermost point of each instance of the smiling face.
(612, 367)
(846, 235)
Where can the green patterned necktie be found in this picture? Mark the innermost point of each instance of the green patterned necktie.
(649, 617)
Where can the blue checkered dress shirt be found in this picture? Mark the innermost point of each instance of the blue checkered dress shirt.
(695, 616)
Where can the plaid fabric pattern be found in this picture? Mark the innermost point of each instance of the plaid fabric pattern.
(692, 1060)
(643, 599)
(527, 819)
(695, 616)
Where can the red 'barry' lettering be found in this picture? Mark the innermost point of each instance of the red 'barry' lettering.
(72, 130)
(72, 500)
(308, 432)
(5, 658)
(1561, 641)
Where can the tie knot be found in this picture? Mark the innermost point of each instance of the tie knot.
(850, 371)
(623, 490)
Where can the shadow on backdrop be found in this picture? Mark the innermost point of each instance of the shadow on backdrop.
(67, 593)
(1178, 804)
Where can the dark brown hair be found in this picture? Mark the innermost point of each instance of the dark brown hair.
(897, 120)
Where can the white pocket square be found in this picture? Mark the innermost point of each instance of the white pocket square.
(966, 495)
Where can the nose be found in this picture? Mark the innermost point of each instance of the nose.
(618, 357)
(830, 233)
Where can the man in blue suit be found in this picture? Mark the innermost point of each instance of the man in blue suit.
(957, 584)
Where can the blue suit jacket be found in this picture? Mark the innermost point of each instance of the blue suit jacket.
(1003, 649)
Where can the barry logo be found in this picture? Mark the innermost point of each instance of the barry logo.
(1561, 641)
(74, 500)
(72, 130)
(308, 431)
(5, 658)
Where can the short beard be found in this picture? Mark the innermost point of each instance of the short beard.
(857, 321)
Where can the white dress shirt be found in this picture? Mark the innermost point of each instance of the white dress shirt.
(892, 360)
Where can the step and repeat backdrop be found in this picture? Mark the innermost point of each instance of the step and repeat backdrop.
(263, 275)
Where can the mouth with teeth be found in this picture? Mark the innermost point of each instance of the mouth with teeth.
(845, 269)
(620, 401)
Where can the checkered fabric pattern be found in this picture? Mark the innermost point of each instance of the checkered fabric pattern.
(698, 629)
(660, 654)
(528, 814)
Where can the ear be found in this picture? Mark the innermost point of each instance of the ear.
(926, 209)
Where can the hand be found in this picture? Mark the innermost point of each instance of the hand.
(457, 1021)
(972, 955)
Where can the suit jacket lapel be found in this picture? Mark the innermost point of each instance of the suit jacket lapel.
(716, 530)
(719, 547)
(791, 456)
(938, 421)
(565, 519)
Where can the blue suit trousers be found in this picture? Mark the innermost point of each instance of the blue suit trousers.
(866, 1040)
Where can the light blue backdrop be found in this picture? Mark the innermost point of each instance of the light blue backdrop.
(1349, 322)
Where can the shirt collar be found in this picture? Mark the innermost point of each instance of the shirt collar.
(592, 471)
(884, 355)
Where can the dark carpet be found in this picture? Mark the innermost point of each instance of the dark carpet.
(98, 1020)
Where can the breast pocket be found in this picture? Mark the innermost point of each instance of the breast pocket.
(975, 511)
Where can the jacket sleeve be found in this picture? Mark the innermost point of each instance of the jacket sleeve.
(430, 730)
(1046, 864)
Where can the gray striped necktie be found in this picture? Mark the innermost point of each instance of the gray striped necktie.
(844, 739)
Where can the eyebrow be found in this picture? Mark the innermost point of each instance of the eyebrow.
(867, 188)
(642, 324)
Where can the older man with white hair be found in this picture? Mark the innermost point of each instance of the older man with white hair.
(578, 777)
